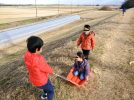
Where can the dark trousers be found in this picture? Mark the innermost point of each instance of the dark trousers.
(49, 89)
(86, 53)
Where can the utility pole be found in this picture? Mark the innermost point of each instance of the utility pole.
(58, 7)
(71, 6)
(36, 9)
(78, 6)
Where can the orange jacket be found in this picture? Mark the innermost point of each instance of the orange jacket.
(38, 68)
(86, 42)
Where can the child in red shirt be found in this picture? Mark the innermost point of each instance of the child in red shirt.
(38, 68)
(86, 41)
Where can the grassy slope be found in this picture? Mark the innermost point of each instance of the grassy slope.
(107, 83)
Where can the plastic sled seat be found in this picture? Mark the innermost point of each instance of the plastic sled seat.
(74, 79)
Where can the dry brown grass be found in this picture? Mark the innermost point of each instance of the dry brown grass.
(11, 14)
(15, 16)
(112, 78)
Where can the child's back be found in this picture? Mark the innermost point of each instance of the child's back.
(37, 67)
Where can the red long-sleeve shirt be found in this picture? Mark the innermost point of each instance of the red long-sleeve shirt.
(86, 42)
(38, 68)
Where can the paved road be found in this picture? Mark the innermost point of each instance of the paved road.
(28, 30)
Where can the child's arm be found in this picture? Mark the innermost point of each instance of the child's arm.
(92, 42)
(87, 69)
(75, 66)
(44, 67)
(79, 41)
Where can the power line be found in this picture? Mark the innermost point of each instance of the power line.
(71, 6)
(58, 7)
(36, 9)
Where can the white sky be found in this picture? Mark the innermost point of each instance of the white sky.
(115, 2)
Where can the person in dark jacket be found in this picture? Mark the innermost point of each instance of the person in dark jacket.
(123, 11)
(81, 66)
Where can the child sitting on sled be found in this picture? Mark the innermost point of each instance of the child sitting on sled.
(81, 66)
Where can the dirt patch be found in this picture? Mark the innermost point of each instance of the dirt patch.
(106, 8)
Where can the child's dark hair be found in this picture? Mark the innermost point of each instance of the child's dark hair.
(34, 43)
(80, 54)
(87, 26)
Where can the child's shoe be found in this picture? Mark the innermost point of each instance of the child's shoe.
(43, 96)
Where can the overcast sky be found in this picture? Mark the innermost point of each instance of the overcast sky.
(104, 2)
